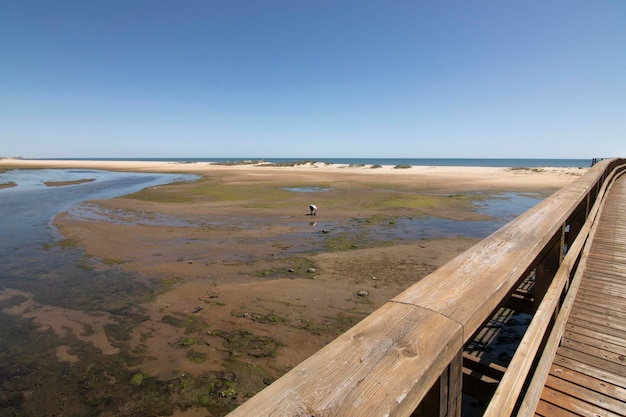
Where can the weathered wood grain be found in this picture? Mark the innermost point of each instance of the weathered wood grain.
(575, 406)
(583, 380)
(590, 396)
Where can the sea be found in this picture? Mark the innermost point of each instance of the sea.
(465, 162)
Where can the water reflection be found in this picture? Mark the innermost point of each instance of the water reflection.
(508, 206)
(29, 262)
(27, 210)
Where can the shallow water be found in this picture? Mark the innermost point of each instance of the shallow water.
(33, 382)
(301, 237)
(307, 189)
(29, 262)
(27, 210)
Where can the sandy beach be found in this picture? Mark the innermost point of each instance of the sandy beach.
(439, 178)
(257, 284)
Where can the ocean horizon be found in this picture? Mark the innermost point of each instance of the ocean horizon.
(468, 162)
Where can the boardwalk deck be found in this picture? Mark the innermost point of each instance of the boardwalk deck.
(588, 374)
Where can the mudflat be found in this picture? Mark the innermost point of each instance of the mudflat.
(248, 283)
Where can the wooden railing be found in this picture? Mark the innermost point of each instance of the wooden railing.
(406, 358)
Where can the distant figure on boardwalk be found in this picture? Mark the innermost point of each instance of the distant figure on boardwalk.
(313, 210)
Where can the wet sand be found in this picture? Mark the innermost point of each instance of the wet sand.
(251, 283)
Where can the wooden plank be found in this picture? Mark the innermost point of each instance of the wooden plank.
(595, 369)
(479, 366)
(519, 303)
(612, 230)
(613, 272)
(594, 351)
(600, 320)
(602, 304)
(600, 312)
(592, 333)
(600, 309)
(598, 328)
(605, 288)
(594, 342)
(479, 386)
(606, 281)
(575, 405)
(614, 367)
(583, 380)
(609, 268)
(610, 301)
(610, 244)
(607, 247)
(605, 276)
(546, 409)
(605, 264)
(585, 394)
(608, 264)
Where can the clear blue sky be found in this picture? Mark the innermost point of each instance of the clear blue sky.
(306, 79)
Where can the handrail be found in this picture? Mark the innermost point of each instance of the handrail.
(510, 387)
(533, 392)
(386, 364)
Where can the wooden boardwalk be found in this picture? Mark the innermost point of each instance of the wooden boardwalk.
(588, 374)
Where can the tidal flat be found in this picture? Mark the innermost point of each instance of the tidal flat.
(186, 299)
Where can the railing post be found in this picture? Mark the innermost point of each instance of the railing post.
(455, 385)
(547, 268)
(576, 222)
(445, 397)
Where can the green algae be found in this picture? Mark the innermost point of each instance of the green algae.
(242, 342)
(330, 325)
(110, 262)
(137, 379)
(170, 282)
(67, 243)
(186, 342)
(191, 323)
(263, 318)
